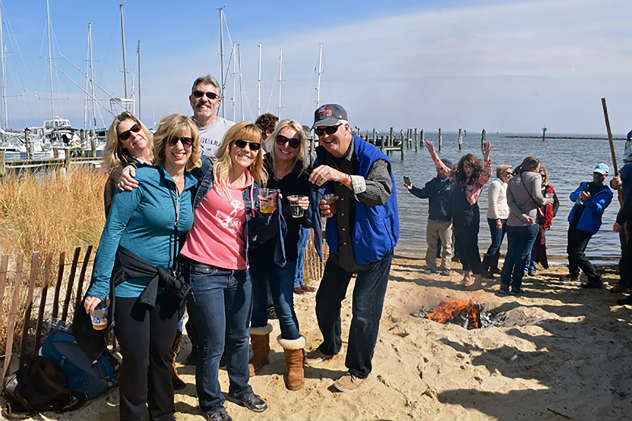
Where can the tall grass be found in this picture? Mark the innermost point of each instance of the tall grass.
(51, 212)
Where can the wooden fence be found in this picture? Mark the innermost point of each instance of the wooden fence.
(26, 309)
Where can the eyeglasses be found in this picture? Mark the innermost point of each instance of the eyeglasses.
(186, 141)
(209, 95)
(282, 140)
(241, 144)
(127, 133)
(329, 130)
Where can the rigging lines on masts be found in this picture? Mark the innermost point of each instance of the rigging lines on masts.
(50, 62)
(259, 47)
(124, 64)
(241, 92)
(320, 72)
(5, 112)
(138, 100)
(221, 57)
(280, 81)
(233, 99)
(89, 114)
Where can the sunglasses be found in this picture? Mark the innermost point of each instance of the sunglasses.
(127, 133)
(209, 95)
(186, 141)
(241, 144)
(329, 130)
(282, 140)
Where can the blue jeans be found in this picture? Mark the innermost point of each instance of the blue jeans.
(497, 235)
(281, 280)
(303, 236)
(220, 306)
(368, 299)
(519, 244)
(531, 263)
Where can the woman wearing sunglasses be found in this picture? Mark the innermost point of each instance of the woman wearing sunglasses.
(287, 173)
(143, 230)
(216, 267)
(129, 141)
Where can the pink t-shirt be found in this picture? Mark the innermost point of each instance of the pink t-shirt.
(217, 238)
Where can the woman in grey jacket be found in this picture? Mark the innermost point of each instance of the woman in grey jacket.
(524, 197)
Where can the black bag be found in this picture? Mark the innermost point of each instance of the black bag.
(40, 386)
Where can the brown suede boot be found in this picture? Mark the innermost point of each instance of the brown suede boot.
(294, 357)
(175, 379)
(260, 339)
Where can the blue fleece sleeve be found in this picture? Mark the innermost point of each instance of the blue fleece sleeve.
(599, 203)
(123, 206)
(574, 195)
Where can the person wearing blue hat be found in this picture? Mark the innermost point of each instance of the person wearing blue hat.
(438, 191)
(591, 200)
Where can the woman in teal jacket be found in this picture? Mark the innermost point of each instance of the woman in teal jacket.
(148, 222)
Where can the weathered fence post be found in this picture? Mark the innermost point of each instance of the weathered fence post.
(8, 353)
(3, 165)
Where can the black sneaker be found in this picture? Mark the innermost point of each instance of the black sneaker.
(218, 415)
(625, 301)
(252, 402)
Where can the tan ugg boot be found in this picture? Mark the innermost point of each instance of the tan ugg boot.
(294, 357)
(260, 339)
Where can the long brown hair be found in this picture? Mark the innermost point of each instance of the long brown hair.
(473, 161)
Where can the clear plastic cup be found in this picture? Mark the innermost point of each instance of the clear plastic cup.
(331, 200)
(267, 204)
(295, 209)
(99, 317)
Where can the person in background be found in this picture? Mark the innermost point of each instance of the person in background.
(497, 214)
(129, 141)
(216, 267)
(143, 228)
(361, 234)
(591, 200)
(470, 177)
(266, 123)
(288, 174)
(205, 100)
(524, 197)
(545, 220)
(300, 287)
(438, 191)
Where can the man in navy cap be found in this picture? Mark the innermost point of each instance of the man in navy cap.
(591, 199)
(438, 191)
(362, 230)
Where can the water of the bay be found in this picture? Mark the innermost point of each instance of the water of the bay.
(569, 161)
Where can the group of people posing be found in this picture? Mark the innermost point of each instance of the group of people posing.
(200, 218)
(521, 204)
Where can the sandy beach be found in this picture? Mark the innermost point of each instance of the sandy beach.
(563, 353)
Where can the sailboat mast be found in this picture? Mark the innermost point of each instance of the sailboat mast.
(233, 99)
(221, 56)
(124, 64)
(280, 80)
(259, 83)
(138, 58)
(320, 71)
(5, 112)
(50, 62)
(93, 121)
(87, 94)
(241, 93)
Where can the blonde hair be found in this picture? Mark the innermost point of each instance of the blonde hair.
(245, 130)
(501, 169)
(115, 155)
(300, 153)
(176, 125)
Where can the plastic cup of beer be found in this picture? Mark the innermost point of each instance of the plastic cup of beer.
(295, 209)
(99, 317)
(267, 204)
(331, 200)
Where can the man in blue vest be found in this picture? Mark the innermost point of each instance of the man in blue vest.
(362, 230)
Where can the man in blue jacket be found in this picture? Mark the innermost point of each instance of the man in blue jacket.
(591, 199)
(362, 230)
(438, 191)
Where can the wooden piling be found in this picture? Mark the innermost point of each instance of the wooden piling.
(543, 133)
(416, 144)
(67, 159)
(440, 139)
(402, 145)
(460, 140)
(3, 168)
(483, 137)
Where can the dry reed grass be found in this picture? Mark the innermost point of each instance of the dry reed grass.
(42, 212)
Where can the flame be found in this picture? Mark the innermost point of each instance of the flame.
(450, 310)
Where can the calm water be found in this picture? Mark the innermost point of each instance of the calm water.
(568, 161)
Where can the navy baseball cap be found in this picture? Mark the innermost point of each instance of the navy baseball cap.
(329, 114)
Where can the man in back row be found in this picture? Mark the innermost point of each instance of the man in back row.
(205, 101)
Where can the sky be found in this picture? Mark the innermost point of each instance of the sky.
(508, 66)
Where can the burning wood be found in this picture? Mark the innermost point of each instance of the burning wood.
(449, 311)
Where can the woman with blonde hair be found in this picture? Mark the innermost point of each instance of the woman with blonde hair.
(142, 235)
(286, 167)
(216, 267)
(129, 143)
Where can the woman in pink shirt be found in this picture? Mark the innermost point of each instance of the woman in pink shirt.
(225, 217)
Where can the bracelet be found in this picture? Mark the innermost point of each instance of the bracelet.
(346, 179)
